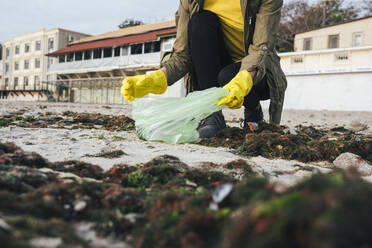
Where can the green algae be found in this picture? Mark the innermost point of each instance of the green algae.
(108, 154)
(68, 119)
(306, 144)
(165, 203)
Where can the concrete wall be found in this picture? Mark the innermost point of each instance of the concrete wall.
(176, 90)
(344, 92)
(97, 96)
(318, 80)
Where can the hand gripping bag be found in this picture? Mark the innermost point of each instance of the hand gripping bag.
(175, 120)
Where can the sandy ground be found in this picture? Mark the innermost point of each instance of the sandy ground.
(290, 118)
(63, 144)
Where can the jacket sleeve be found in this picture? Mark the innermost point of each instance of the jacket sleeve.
(180, 62)
(264, 37)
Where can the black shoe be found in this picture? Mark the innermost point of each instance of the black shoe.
(255, 115)
(211, 125)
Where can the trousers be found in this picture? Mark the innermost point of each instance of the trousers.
(211, 61)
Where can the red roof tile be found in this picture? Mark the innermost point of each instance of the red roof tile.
(130, 39)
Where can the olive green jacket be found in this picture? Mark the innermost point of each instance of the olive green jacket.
(261, 21)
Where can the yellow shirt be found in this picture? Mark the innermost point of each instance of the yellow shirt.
(232, 22)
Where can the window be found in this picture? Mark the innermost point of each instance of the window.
(16, 66)
(15, 82)
(6, 82)
(107, 52)
(297, 60)
(61, 58)
(357, 39)
(87, 55)
(50, 61)
(333, 41)
(50, 44)
(37, 80)
(308, 43)
(37, 63)
(167, 44)
(125, 50)
(7, 52)
(17, 49)
(27, 47)
(38, 45)
(78, 56)
(152, 47)
(117, 51)
(136, 49)
(71, 38)
(97, 53)
(27, 65)
(6, 68)
(25, 81)
(70, 57)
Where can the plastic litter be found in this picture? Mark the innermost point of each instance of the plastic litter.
(175, 120)
(220, 194)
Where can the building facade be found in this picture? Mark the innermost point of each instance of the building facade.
(25, 64)
(356, 33)
(331, 68)
(92, 69)
(118, 53)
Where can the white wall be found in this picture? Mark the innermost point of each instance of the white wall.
(176, 90)
(344, 92)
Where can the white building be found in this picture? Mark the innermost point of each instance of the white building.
(25, 65)
(93, 68)
(118, 53)
(331, 68)
(1, 69)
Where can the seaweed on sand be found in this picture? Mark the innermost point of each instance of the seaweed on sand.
(306, 144)
(69, 120)
(165, 203)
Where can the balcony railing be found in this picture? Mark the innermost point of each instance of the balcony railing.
(122, 62)
(94, 91)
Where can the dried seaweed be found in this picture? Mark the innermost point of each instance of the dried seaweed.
(69, 120)
(165, 203)
(306, 144)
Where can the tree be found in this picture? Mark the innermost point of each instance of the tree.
(337, 11)
(130, 23)
(300, 16)
(367, 7)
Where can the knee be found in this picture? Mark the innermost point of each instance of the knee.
(228, 73)
(224, 77)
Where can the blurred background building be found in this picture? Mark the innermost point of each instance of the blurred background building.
(25, 64)
(331, 68)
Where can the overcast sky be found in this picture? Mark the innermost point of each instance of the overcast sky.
(86, 16)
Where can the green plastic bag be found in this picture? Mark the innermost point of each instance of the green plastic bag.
(175, 120)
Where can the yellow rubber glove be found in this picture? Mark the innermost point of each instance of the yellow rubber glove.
(141, 85)
(239, 87)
